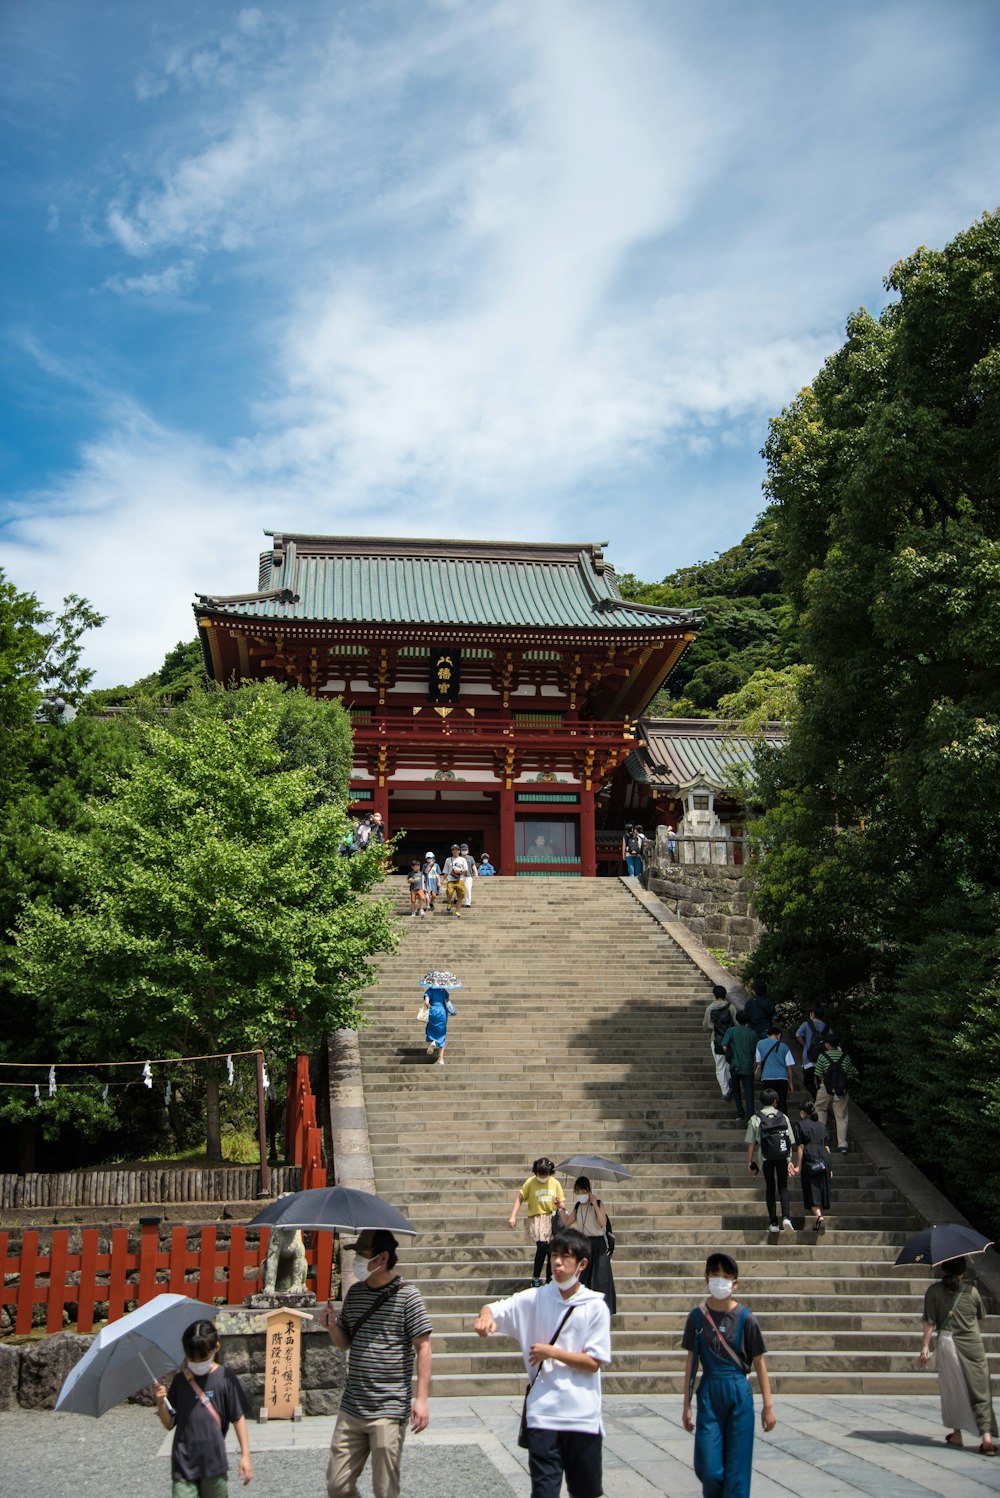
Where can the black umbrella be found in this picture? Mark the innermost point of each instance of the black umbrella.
(337, 1208)
(943, 1241)
(594, 1165)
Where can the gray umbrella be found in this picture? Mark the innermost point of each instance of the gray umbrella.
(134, 1351)
(340, 1208)
(597, 1167)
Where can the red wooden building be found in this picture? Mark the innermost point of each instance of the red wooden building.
(493, 687)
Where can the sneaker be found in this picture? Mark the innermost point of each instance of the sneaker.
(431, 1049)
(843, 1149)
(786, 1223)
(535, 1284)
(440, 1061)
(774, 1227)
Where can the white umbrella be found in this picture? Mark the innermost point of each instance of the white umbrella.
(134, 1351)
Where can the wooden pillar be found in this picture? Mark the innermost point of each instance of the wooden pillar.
(507, 855)
(588, 833)
(380, 801)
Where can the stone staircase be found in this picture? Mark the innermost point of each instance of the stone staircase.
(579, 1031)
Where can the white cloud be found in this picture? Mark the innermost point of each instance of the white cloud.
(499, 267)
(173, 281)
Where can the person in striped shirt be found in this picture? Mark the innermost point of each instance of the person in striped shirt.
(384, 1324)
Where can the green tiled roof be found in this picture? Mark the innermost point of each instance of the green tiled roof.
(677, 751)
(349, 579)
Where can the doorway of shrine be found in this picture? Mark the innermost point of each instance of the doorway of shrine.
(437, 830)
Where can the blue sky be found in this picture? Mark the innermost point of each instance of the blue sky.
(514, 268)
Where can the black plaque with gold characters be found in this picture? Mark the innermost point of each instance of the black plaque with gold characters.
(444, 675)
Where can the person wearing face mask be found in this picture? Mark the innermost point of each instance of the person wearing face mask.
(204, 1400)
(564, 1331)
(725, 1339)
(542, 1195)
(384, 1324)
(590, 1218)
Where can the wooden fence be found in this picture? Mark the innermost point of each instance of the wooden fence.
(157, 1186)
(58, 1280)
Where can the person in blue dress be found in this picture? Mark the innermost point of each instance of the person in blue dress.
(439, 1011)
(724, 1338)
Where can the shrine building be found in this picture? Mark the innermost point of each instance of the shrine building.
(493, 687)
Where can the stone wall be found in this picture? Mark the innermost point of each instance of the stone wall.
(713, 901)
(33, 1371)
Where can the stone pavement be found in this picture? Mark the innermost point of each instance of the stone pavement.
(824, 1447)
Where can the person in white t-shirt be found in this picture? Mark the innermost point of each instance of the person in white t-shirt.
(564, 1331)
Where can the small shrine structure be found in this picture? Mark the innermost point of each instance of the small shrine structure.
(493, 686)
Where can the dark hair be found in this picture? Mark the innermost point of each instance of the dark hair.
(569, 1241)
(542, 1163)
(808, 1107)
(581, 1184)
(725, 1263)
(818, 1014)
(200, 1340)
(769, 1097)
(830, 1039)
(775, 1029)
(953, 1270)
(718, 991)
(741, 1018)
(759, 987)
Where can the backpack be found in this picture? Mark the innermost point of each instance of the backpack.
(835, 1078)
(774, 1144)
(634, 845)
(722, 1020)
(362, 835)
(814, 1044)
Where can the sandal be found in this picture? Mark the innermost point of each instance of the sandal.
(985, 1450)
(819, 1226)
(953, 1438)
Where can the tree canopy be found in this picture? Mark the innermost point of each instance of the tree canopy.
(201, 904)
(745, 628)
(879, 887)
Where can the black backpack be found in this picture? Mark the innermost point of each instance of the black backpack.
(722, 1021)
(814, 1046)
(835, 1078)
(774, 1144)
(634, 844)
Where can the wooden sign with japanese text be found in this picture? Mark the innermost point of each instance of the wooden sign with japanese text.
(282, 1364)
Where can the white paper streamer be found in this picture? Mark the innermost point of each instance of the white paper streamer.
(38, 1095)
(229, 1069)
(167, 1094)
(52, 1081)
(147, 1074)
(104, 1093)
(266, 1079)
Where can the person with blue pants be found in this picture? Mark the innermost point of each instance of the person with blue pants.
(725, 1339)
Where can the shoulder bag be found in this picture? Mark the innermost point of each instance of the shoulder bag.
(522, 1435)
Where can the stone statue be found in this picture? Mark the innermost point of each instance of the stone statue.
(285, 1265)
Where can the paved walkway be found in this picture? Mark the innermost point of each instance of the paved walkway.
(835, 1446)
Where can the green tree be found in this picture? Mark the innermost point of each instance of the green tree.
(881, 832)
(211, 911)
(745, 626)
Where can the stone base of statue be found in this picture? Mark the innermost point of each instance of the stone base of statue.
(278, 1300)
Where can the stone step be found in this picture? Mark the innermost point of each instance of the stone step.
(878, 1385)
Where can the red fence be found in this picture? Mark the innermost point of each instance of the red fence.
(303, 1138)
(59, 1280)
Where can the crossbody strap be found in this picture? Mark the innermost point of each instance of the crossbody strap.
(202, 1397)
(723, 1342)
(555, 1336)
(376, 1305)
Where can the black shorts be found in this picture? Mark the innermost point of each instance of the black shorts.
(577, 1453)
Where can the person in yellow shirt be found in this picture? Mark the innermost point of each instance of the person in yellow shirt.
(542, 1194)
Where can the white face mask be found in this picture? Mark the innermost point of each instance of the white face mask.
(200, 1368)
(582, 1200)
(567, 1284)
(720, 1289)
(361, 1269)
